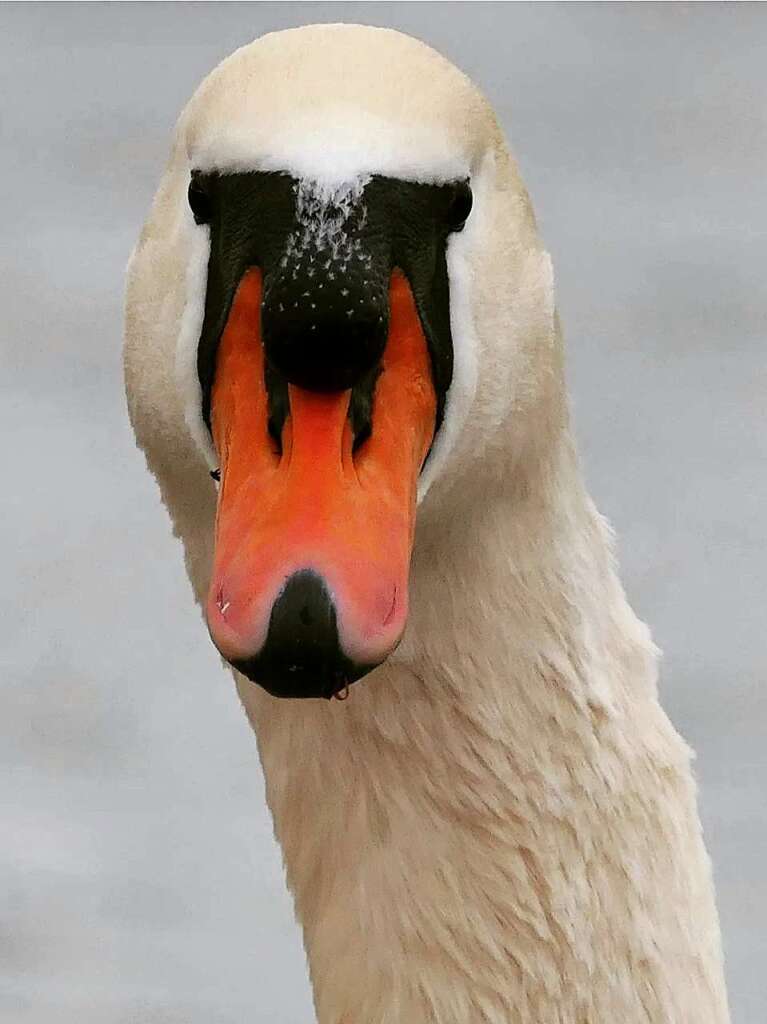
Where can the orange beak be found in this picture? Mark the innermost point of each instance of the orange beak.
(313, 543)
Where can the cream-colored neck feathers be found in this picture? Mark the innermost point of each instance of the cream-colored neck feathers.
(500, 825)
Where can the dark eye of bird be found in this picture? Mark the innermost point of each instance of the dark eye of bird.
(199, 199)
(460, 206)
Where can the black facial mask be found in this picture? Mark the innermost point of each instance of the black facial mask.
(326, 260)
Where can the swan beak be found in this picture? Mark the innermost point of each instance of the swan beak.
(313, 537)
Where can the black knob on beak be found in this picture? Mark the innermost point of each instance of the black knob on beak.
(325, 322)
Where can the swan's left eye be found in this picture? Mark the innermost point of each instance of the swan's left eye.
(461, 203)
(199, 199)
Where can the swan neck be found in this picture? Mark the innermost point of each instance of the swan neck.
(488, 819)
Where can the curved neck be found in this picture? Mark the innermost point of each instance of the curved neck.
(461, 832)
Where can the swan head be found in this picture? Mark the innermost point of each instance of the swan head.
(340, 310)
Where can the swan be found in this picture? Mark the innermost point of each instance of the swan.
(344, 366)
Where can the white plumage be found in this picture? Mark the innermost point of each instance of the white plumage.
(500, 825)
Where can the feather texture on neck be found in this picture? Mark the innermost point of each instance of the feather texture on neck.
(482, 832)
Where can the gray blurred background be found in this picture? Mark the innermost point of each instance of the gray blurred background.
(139, 880)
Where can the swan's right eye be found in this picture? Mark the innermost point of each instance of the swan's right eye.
(199, 199)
